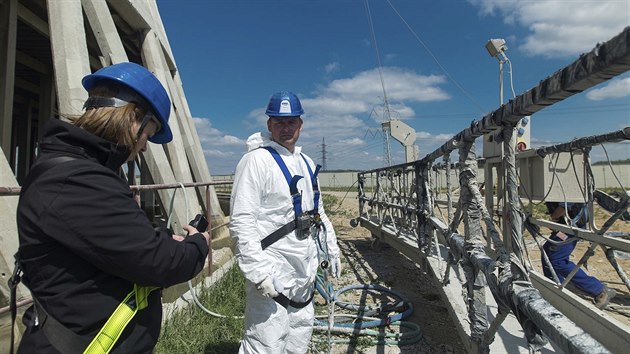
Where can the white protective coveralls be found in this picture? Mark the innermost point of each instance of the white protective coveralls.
(260, 204)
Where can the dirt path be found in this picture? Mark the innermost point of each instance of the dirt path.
(386, 266)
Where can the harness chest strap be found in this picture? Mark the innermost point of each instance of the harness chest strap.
(295, 195)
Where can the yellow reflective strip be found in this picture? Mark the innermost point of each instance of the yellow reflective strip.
(113, 328)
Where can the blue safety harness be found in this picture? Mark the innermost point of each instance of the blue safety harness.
(302, 221)
(296, 197)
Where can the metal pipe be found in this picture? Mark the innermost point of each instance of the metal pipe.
(210, 229)
(10, 191)
(585, 142)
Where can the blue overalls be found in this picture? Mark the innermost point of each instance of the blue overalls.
(559, 256)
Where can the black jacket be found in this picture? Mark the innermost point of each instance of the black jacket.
(84, 242)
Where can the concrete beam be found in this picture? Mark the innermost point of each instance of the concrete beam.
(613, 334)
(135, 13)
(105, 32)
(31, 62)
(158, 26)
(153, 57)
(33, 21)
(8, 38)
(70, 55)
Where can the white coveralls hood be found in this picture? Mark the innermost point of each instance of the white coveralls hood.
(260, 204)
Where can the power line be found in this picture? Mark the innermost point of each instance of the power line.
(435, 59)
(386, 151)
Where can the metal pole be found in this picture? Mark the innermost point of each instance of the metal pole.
(500, 82)
(209, 217)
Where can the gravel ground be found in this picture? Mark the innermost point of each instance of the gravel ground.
(384, 265)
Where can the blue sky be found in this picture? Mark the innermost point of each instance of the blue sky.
(438, 77)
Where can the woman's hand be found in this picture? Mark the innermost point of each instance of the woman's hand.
(192, 230)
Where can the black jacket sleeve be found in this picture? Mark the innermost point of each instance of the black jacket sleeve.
(95, 216)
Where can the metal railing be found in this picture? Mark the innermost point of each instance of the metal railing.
(403, 210)
(15, 191)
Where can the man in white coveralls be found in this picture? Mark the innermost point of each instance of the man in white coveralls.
(282, 233)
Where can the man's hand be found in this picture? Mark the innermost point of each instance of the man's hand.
(267, 288)
(335, 267)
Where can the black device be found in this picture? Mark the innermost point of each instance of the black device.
(199, 222)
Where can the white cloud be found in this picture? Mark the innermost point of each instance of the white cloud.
(428, 142)
(209, 136)
(560, 28)
(342, 113)
(442, 138)
(617, 88)
(218, 153)
(360, 95)
(222, 151)
(332, 67)
(390, 57)
(352, 142)
(400, 85)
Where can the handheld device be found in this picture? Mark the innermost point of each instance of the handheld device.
(199, 222)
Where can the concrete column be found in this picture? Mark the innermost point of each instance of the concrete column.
(8, 34)
(70, 55)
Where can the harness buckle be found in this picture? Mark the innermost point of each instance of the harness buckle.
(303, 224)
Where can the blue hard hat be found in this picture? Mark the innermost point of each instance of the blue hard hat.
(145, 84)
(284, 104)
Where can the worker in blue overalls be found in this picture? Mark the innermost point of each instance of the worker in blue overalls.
(282, 233)
(560, 247)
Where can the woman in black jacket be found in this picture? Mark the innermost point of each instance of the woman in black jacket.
(85, 244)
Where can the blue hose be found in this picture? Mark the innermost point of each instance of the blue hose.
(329, 295)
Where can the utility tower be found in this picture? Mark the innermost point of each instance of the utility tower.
(387, 153)
(324, 154)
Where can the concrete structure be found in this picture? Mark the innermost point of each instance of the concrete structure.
(45, 50)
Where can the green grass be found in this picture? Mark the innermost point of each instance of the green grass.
(191, 330)
(330, 203)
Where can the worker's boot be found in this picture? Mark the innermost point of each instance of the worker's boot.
(602, 300)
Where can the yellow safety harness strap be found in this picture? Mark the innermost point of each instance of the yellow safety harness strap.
(115, 325)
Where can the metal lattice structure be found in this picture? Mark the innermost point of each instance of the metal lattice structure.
(467, 251)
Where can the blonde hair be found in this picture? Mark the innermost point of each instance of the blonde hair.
(114, 124)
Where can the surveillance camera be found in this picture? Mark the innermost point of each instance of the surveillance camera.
(496, 46)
